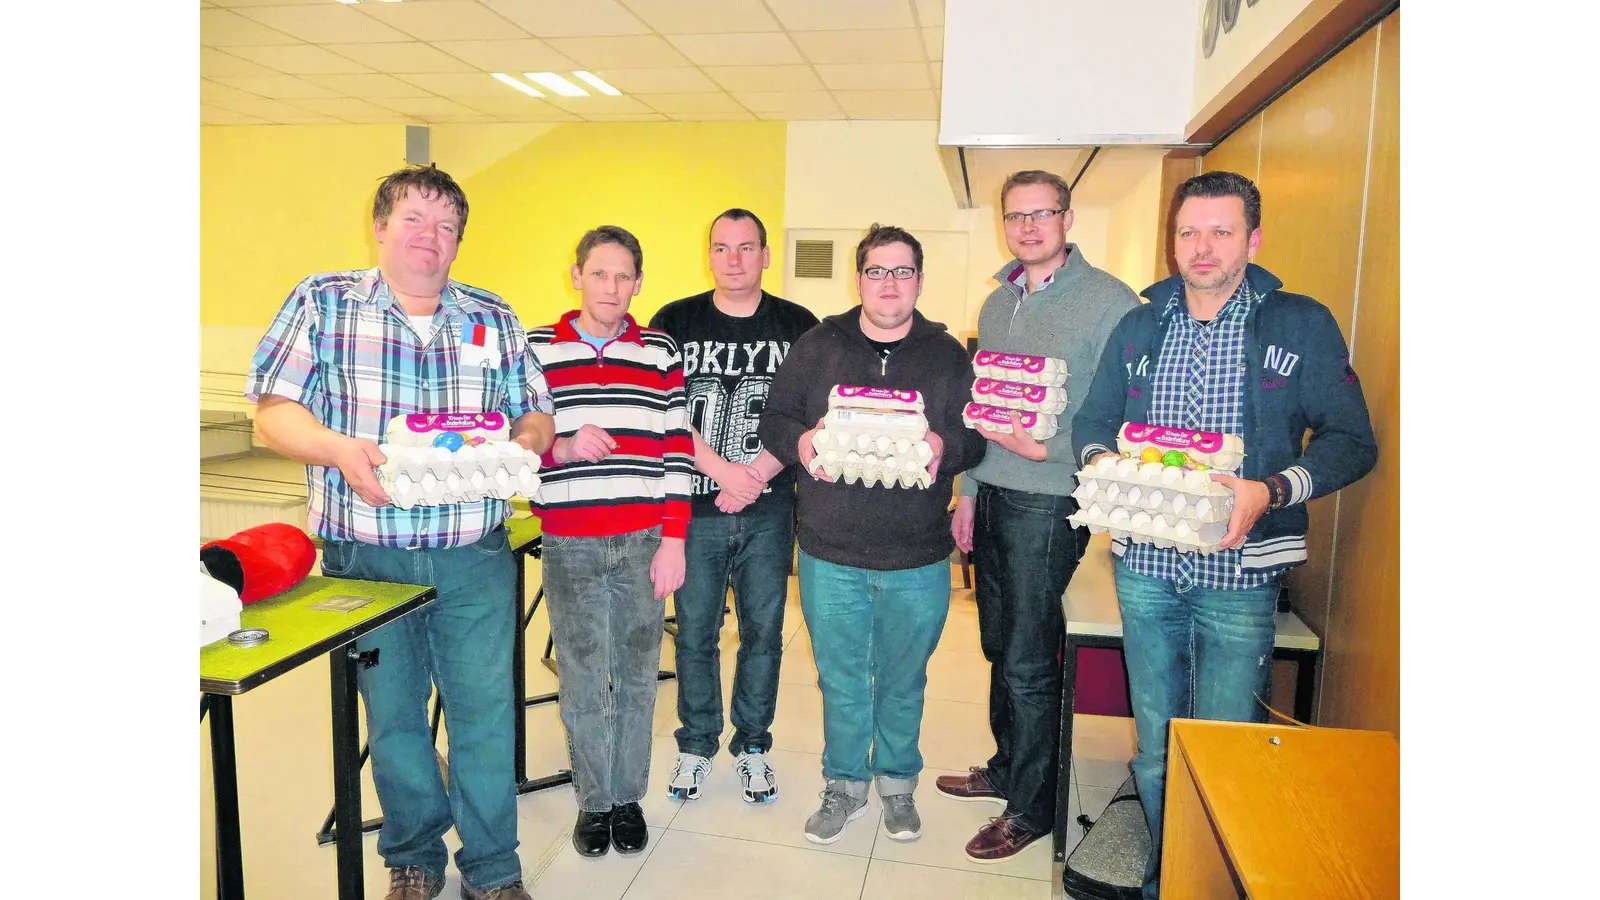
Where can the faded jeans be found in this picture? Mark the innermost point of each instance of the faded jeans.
(607, 625)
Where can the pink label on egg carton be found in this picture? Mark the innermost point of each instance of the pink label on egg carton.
(1011, 390)
(1017, 361)
(856, 391)
(420, 423)
(1174, 438)
(981, 412)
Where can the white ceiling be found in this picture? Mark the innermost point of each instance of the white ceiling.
(429, 61)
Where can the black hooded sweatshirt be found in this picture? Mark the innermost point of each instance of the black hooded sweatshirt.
(879, 528)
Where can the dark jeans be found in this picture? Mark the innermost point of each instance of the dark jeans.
(1024, 551)
(752, 552)
(460, 643)
(607, 627)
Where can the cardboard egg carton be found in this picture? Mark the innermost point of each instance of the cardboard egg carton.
(1020, 368)
(450, 430)
(1209, 448)
(1172, 502)
(1144, 527)
(872, 461)
(1037, 398)
(438, 476)
(1041, 426)
(858, 413)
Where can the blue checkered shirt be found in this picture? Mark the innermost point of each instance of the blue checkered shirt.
(1199, 385)
(343, 348)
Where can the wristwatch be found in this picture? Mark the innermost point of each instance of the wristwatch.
(1277, 491)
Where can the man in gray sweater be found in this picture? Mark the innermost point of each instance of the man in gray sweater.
(1013, 509)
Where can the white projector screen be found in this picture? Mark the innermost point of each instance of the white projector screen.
(1031, 73)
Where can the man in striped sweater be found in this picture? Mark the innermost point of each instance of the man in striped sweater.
(614, 499)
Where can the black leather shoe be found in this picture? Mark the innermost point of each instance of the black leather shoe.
(628, 831)
(592, 834)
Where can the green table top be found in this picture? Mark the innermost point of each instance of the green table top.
(524, 531)
(298, 633)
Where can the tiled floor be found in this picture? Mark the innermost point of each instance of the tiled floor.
(714, 847)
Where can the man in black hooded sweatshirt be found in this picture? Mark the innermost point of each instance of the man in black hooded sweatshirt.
(874, 561)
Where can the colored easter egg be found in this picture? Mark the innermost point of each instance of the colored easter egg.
(1150, 454)
(450, 440)
(1173, 458)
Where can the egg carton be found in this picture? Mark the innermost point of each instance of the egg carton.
(449, 430)
(1042, 426)
(1037, 398)
(860, 397)
(1144, 527)
(1131, 472)
(1209, 448)
(871, 470)
(438, 476)
(1196, 508)
(1017, 367)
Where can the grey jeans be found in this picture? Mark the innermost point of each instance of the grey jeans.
(607, 625)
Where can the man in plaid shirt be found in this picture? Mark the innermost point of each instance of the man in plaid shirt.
(347, 352)
(1221, 347)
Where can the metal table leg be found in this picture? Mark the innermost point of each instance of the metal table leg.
(225, 790)
(346, 770)
(519, 675)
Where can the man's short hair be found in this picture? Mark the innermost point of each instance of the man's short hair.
(429, 182)
(1225, 184)
(736, 214)
(611, 234)
(1038, 176)
(878, 236)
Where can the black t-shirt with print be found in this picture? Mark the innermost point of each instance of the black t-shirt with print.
(728, 366)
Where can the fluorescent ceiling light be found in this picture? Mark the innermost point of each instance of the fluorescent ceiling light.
(350, 1)
(557, 84)
(598, 84)
(501, 76)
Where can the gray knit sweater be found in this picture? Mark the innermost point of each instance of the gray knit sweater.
(1070, 320)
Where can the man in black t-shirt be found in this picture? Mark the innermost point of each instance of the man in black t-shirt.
(742, 532)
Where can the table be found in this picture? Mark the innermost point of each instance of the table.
(527, 540)
(1269, 811)
(1089, 606)
(298, 634)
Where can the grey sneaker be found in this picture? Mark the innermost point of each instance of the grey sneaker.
(688, 774)
(413, 883)
(842, 803)
(900, 819)
(512, 891)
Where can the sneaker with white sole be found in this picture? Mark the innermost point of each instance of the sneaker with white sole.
(842, 803)
(760, 782)
(900, 819)
(687, 775)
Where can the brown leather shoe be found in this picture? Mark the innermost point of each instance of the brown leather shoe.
(1000, 840)
(972, 786)
(413, 883)
(512, 891)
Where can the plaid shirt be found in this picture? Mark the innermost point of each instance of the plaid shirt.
(342, 347)
(1199, 385)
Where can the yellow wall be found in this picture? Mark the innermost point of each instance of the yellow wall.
(1255, 29)
(281, 202)
(1131, 230)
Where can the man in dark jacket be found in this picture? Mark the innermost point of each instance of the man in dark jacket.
(1221, 347)
(874, 561)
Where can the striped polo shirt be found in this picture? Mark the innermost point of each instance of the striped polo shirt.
(632, 388)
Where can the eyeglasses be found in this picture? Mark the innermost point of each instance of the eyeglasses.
(900, 273)
(1038, 215)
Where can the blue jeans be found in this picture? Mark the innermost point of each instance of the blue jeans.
(751, 552)
(1201, 654)
(871, 635)
(1024, 552)
(607, 625)
(461, 642)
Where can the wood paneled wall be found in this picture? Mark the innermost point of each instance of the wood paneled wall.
(1326, 157)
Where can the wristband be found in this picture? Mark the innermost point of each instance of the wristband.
(1277, 491)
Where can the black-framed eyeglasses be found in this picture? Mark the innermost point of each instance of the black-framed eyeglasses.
(1038, 215)
(900, 273)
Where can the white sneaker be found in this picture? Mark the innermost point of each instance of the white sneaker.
(760, 782)
(687, 776)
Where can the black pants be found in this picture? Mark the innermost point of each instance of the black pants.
(1024, 552)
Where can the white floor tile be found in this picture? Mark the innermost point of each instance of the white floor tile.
(688, 866)
(892, 881)
(561, 872)
(947, 825)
